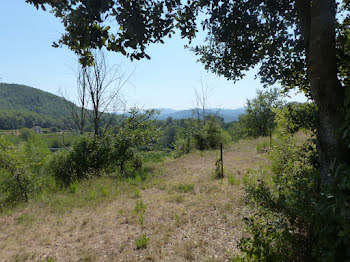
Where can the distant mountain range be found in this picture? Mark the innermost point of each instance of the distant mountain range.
(228, 114)
(24, 106)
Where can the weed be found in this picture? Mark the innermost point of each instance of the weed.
(177, 220)
(137, 193)
(139, 211)
(73, 187)
(104, 191)
(92, 194)
(142, 242)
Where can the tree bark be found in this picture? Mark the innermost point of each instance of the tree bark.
(318, 28)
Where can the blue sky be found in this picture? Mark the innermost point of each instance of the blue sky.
(167, 80)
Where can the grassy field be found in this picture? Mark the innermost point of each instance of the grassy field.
(179, 213)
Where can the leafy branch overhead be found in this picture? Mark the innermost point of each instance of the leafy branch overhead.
(125, 26)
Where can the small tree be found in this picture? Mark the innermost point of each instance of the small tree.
(201, 102)
(138, 129)
(103, 83)
(259, 119)
(79, 113)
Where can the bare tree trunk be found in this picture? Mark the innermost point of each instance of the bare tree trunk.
(318, 27)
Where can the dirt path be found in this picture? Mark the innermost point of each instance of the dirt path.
(189, 216)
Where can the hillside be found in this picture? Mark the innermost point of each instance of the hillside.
(25, 98)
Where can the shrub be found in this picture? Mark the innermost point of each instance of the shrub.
(199, 136)
(285, 194)
(86, 158)
(20, 177)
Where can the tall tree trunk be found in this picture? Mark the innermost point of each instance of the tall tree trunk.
(96, 123)
(325, 86)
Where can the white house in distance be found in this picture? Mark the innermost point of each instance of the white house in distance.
(37, 129)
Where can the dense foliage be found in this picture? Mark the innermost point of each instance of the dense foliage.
(296, 218)
(259, 119)
(16, 119)
(21, 175)
(197, 135)
(93, 155)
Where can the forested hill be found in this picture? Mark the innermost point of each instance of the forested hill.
(25, 98)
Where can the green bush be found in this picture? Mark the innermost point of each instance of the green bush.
(285, 195)
(85, 159)
(20, 171)
(199, 136)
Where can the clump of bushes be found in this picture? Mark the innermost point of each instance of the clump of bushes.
(21, 169)
(284, 196)
(86, 158)
(199, 136)
(110, 152)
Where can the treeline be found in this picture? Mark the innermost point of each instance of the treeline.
(17, 119)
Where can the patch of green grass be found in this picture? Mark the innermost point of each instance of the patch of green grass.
(153, 156)
(84, 193)
(25, 219)
(142, 242)
(232, 180)
(184, 188)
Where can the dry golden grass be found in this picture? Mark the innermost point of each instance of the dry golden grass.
(189, 216)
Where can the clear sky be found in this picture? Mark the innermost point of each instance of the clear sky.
(167, 80)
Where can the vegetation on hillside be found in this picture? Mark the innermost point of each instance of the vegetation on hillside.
(25, 98)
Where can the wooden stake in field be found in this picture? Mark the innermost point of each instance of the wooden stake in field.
(222, 162)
